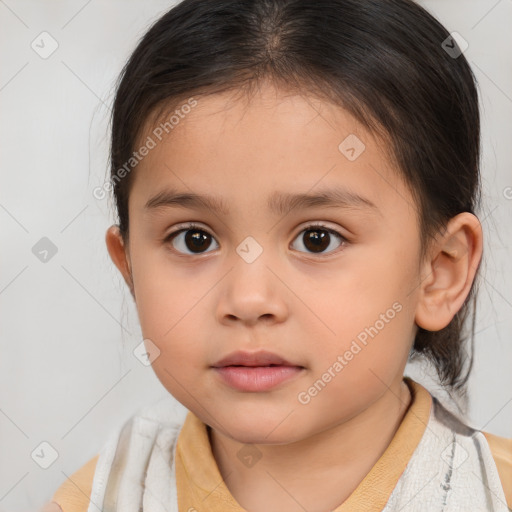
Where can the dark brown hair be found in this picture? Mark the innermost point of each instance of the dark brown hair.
(384, 61)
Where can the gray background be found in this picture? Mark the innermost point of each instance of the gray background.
(69, 326)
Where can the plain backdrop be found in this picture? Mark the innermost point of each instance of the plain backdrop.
(67, 372)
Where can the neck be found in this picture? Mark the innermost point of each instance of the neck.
(317, 473)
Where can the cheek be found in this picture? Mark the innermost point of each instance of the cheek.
(171, 313)
(164, 295)
(369, 315)
(356, 299)
(174, 325)
(380, 344)
(181, 357)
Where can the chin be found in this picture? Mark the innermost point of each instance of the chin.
(253, 429)
(262, 437)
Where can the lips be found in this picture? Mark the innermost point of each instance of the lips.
(261, 358)
(256, 371)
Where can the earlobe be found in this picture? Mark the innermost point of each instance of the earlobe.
(119, 254)
(450, 270)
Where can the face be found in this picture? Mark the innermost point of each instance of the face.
(328, 284)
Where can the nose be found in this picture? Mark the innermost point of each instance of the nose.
(252, 293)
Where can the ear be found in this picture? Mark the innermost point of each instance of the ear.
(450, 269)
(119, 255)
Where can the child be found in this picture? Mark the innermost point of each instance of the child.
(296, 182)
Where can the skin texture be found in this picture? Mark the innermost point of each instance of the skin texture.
(51, 507)
(305, 306)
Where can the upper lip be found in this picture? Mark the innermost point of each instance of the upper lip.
(261, 358)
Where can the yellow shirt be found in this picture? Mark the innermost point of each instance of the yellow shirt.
(200, 485)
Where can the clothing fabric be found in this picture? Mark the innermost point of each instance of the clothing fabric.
(434, 463)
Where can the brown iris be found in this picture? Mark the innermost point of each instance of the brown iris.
(316, 240)
(195, 240)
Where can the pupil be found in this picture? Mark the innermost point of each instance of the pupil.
(316, 240)
(195, 240)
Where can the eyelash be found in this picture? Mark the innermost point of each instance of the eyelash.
(310, 227)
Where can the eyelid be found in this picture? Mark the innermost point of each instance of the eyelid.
(309, 226)
(317, 224)
(324, 226)
(304, 226)
(186, 226)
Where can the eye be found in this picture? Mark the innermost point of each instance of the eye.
(193, 238)
(317, 238)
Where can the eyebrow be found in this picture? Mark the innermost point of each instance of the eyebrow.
(280, 203)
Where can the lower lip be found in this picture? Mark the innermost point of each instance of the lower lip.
(257, 378)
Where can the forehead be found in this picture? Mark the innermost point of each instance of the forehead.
(241, 148)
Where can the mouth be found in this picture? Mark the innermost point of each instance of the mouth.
(253, 365)
(262, 359)
(257, 378)
(256, 372)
